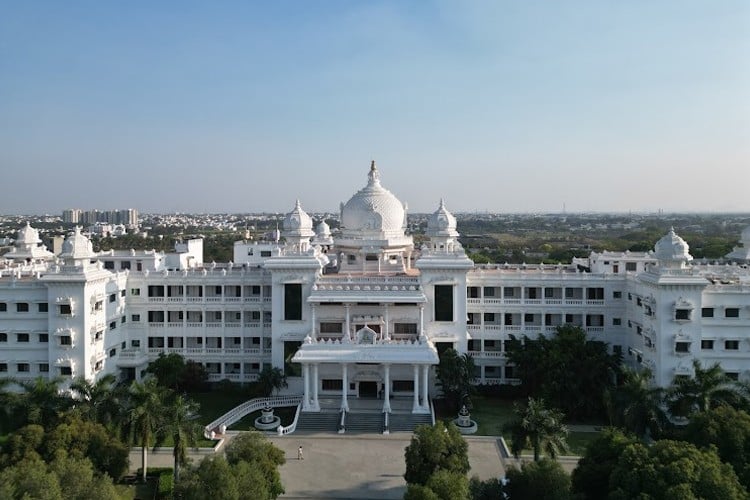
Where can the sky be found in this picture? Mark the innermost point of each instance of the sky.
(497, 105)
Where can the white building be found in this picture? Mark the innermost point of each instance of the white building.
(362, 314)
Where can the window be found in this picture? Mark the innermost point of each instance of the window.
(682, 347)
(707, 312)
(616, 295)
(3, 367)
(135, 343)
(125, 264)
(292, 302)
(135, 292)
(112, 297)
(22, 368)
(489, 291)
(631, 266)
(43, 337)
(332, 384)
(43, 367)
(43, 307)
(135, 317)
(98, 335)
(112, 353)
(616, 321)
(64, 310)
(3, 337)
(328, 327)
(528, 318)
(112, 325)
(109, 264)
(265, 253)
(405, 328)
(443, 302)
(489, 317)
(22, 307)
(731, 345)
(3, 307)
(707, 345)
(472, 292)
(682, 314)
(595, 293)
(732, 312)
(123, 320)
(98, 305)
(22, 337)
(122, 293)
(66, 371)
(66, 340)
(98, 366)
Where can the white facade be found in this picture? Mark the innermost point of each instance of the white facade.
(362, 313)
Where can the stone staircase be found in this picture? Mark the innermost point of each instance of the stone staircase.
(407, 422)
(324, 421)
(364, 423)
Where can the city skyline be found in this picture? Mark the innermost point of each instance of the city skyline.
(501, 107)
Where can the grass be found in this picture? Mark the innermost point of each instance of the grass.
(491, 414)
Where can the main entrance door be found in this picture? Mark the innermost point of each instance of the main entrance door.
(368, 389)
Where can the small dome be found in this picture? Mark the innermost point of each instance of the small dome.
(373, 209)
(323, 230)
(298, 223)
(77, 246)
(27, 235)
(672, 248)
(442, 223)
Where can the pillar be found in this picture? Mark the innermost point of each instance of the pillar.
(313, 333)
(425, 392)
(348, 331)
(421, 320)
(344, 387)
(387, 391)
(415, 406)
(387, 333)
(305, 387)
(315, 405)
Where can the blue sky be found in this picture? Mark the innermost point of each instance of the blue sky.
(512, 106)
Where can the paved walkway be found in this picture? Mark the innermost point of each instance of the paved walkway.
(355, 466)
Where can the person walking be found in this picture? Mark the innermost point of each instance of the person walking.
(299, 453)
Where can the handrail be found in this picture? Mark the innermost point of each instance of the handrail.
(283, 431)
(432, 411)
(238, 412)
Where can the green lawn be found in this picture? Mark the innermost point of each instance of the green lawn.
(491, 414)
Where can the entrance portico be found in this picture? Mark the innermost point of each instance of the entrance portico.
(366, 369)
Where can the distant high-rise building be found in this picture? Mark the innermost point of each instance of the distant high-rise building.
(127, 217)
(72, 216)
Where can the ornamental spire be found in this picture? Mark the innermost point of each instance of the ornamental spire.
(373, 176)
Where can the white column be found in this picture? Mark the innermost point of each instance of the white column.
(421, 320)
(315, 404)
(415, 407)
(425, 393)
(313, 333)
(387, 392)
(344, 387)
(305, 387)
(348, 331)
(387, 333)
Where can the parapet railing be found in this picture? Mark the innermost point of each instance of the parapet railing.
(238, 412)
(283, 431)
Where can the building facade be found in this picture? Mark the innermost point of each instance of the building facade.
(363, 313)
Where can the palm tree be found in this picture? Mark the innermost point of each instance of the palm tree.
(271, 379)
(145, 415)
(701, 392)
(41, 401)
(8, 402)
(539, 428)
(101, 401)
(637, 405)
(180, 422)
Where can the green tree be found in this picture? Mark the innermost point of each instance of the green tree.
(216, 479)
(539, 428)
(101, 401)
(542, 480)
(490, 489)
(435, 448)
(168, 370)
(706, 388)
(41, 401)
(590, 479)
(455, 373)
(449, 485)
(566, 369)
(180, 423)
(636, 405)
(271, 379)
(728, 430)
(673, 470)
(419, 492)
(145, 416)
(30, 479)
(253, 448)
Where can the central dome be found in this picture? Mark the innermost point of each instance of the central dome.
(373, 210)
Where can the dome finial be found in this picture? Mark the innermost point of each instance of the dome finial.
(373, 176)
